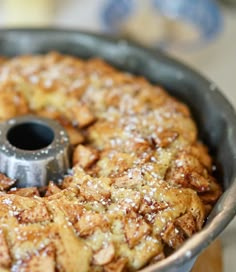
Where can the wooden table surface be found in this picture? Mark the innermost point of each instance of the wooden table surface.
(211, 260)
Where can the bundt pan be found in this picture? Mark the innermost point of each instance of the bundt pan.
(213, 113)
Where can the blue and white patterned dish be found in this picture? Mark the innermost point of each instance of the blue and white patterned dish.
(203, 15)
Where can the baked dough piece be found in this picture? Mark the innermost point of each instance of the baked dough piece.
(141, 182)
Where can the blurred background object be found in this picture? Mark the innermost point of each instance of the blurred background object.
(191, 30)
(182, 24)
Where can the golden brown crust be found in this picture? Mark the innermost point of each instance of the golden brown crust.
(27, 192)
(5, 182)
(141, 180)
(84, 156)
(43, 260)
(5, 258)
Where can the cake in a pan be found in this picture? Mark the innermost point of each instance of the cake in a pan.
(141, 182)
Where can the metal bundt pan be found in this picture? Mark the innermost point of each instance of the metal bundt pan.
(213, 113)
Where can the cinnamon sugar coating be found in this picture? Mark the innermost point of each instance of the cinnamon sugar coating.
(141, 182)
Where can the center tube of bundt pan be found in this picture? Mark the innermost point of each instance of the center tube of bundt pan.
(33, 150)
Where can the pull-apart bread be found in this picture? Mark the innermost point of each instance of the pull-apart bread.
(141, 182)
